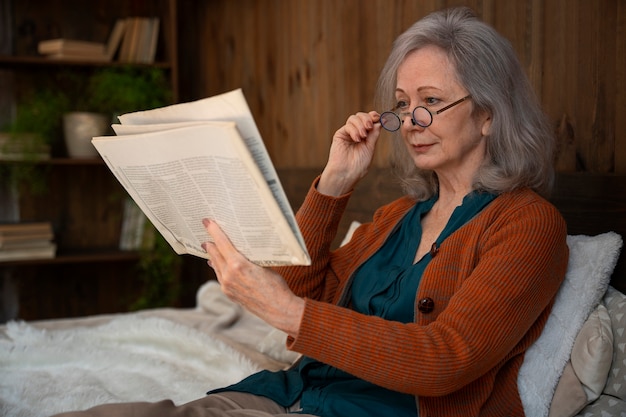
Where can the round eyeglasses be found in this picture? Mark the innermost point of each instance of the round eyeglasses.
(420, 116)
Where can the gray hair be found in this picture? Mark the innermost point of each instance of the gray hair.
(521, 143)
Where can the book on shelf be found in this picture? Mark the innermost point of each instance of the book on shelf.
(47, 251)
(136, 229)
(80, 50)
(62, 56)
(115, 38)
(21, 241)
(25, 229)
(70, 46)
(6, 28)
(25, 243)
(205, 159)
(140, 40)
(9, 202)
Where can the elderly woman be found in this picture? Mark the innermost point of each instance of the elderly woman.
(430, 308)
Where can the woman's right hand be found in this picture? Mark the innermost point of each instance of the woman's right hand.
(351, 154)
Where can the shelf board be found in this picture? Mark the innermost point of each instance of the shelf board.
(73, 161)
(36, 61)
(58, 161)
(79, 257)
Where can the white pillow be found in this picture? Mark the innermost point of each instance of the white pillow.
(592, 353)
(591, 263)
(585, 375)
(569, 396)
(353, 226)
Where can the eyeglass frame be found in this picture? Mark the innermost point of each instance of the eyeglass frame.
(415, 122)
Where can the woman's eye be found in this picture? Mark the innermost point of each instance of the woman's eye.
(431, 101)
(400, 105)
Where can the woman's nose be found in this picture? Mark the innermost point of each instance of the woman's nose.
(403, 117)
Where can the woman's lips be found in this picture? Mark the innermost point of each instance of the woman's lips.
(422, 147)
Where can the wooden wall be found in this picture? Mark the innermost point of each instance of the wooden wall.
(305, 65)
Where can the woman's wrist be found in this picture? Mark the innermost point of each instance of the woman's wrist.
(334, 185)
(294, 317)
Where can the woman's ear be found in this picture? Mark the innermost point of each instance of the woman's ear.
(486, 126)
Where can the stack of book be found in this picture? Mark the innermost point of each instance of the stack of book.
(71, 49)
(135, 38)
(20, 241)
(80, 50)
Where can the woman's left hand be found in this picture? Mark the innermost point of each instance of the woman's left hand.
(259, 290)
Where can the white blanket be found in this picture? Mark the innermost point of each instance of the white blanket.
(131, 358)
(57, 366)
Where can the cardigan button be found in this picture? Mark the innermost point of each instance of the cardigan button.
(426, 305)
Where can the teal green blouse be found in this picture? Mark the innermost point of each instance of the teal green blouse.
(384, 286)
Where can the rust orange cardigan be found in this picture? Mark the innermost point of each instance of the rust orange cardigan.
(493, 283)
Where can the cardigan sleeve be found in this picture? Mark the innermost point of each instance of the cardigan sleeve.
(318, 219)
(493, 283)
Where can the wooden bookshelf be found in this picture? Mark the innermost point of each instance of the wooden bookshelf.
(81, 198)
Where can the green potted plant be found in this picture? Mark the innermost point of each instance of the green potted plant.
(36, 125)
(35, 129)
(118, 90)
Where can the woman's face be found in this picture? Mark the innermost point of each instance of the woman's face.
(454, 144)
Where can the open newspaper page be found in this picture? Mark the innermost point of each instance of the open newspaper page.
(180, 168)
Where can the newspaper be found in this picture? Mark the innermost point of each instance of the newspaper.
(205, 159)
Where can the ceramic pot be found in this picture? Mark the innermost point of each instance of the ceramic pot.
(79, 128)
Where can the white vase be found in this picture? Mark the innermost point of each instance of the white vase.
(79, 128)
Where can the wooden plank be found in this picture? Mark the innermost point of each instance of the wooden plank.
(620, 89)
(536, 43)
(593, 204)
(560, 77)
(600, 18)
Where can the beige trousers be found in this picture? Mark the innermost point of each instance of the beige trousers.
(225, 404)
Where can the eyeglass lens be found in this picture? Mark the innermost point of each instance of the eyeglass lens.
(422, 116)
(390, 121)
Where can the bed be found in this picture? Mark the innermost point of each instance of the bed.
(56, 365)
